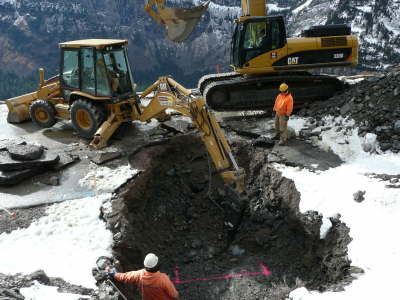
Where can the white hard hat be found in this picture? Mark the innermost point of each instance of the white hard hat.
(150, 261)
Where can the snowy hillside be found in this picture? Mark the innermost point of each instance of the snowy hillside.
(30, 31)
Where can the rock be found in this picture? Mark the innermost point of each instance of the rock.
(396, 92)
(52, 180)
(14, 177)
(359, 196)
(12, 294)
(40, 276)
(345, 109)
(369, 143)
(196, 244)
(237, 251)
(176, 126)
(396, 126)
(25, 152)
(103, 157)
(263, 142)
(385, 146)
(49, 160)
(396, 145)
(65, 161)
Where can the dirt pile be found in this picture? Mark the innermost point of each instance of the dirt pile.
(173, 209)
(373, 103)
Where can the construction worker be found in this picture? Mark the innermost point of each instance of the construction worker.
(152, 284)
(283, 109)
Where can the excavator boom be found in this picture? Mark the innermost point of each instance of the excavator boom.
(179, 22)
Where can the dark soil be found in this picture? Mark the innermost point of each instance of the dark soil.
(172, 209)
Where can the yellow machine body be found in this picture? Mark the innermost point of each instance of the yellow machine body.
(55, 99)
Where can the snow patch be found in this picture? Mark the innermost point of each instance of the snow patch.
(325, 227)
(301, 7)
(104, 179)
(65, 243)
(374, 248)
(43, 292)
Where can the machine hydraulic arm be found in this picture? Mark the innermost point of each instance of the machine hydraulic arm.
(165, 94)
(179, 22)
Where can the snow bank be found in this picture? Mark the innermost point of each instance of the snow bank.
(65, 243)
(104, 179)
(375, 246)
(43, 292)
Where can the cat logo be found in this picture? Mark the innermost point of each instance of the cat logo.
(293, 60)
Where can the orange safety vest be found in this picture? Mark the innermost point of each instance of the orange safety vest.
(152, 286)
(284, 104)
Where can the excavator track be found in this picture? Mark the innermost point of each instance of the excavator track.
(238, 92)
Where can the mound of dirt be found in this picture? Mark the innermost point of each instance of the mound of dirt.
(373, 103)
(177, 209)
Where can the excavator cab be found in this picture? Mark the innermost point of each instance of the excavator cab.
(95, 69)
(256, 36)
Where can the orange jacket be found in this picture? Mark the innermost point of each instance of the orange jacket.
(152, 286)
(284, 104)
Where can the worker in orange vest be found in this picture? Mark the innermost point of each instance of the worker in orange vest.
(152, 284)
(283, 109)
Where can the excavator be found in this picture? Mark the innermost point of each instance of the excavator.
(96, 92)
(263, 57)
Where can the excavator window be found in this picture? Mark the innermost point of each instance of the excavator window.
(257, 36)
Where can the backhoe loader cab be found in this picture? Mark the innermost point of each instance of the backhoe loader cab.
(95, 69)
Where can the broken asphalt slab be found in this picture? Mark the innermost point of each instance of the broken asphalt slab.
(8, 164)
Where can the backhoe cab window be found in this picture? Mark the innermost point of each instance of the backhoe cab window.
(117, 71)
(70, 74)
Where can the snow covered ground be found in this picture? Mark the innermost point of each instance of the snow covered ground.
(65, 243)
(373, 223)
(44, 292)
(67, 240)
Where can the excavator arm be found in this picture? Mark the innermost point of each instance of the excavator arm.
(179, 22)
(168, 94)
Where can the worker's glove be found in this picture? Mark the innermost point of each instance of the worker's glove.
(111, 271)
(287, 118)
(273, 114)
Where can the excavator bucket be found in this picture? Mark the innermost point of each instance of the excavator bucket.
(180, 22)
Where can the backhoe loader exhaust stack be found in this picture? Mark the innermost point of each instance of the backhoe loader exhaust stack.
(179, 22)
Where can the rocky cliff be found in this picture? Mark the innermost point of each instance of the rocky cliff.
(31, 29)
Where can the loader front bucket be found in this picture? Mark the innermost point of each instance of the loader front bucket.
(180, 22)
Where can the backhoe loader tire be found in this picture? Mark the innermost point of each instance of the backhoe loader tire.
(43, 113)
(86, 117)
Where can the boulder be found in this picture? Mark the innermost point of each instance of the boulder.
(25, 152)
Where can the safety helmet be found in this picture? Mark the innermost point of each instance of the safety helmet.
(150, 261)
(283, 87)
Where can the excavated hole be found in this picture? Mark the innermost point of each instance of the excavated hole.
(167, 210)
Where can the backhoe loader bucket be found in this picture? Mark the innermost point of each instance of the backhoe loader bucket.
(180, 22)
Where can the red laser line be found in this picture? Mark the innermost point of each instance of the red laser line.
(264, 272)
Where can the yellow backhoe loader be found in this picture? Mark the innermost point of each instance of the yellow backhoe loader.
(263, 57)
(95, 90)
(179, 22)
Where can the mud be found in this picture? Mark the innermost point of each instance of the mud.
(179, 210)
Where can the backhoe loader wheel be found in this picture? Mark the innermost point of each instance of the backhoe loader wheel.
(86, 117)
(43, 113)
